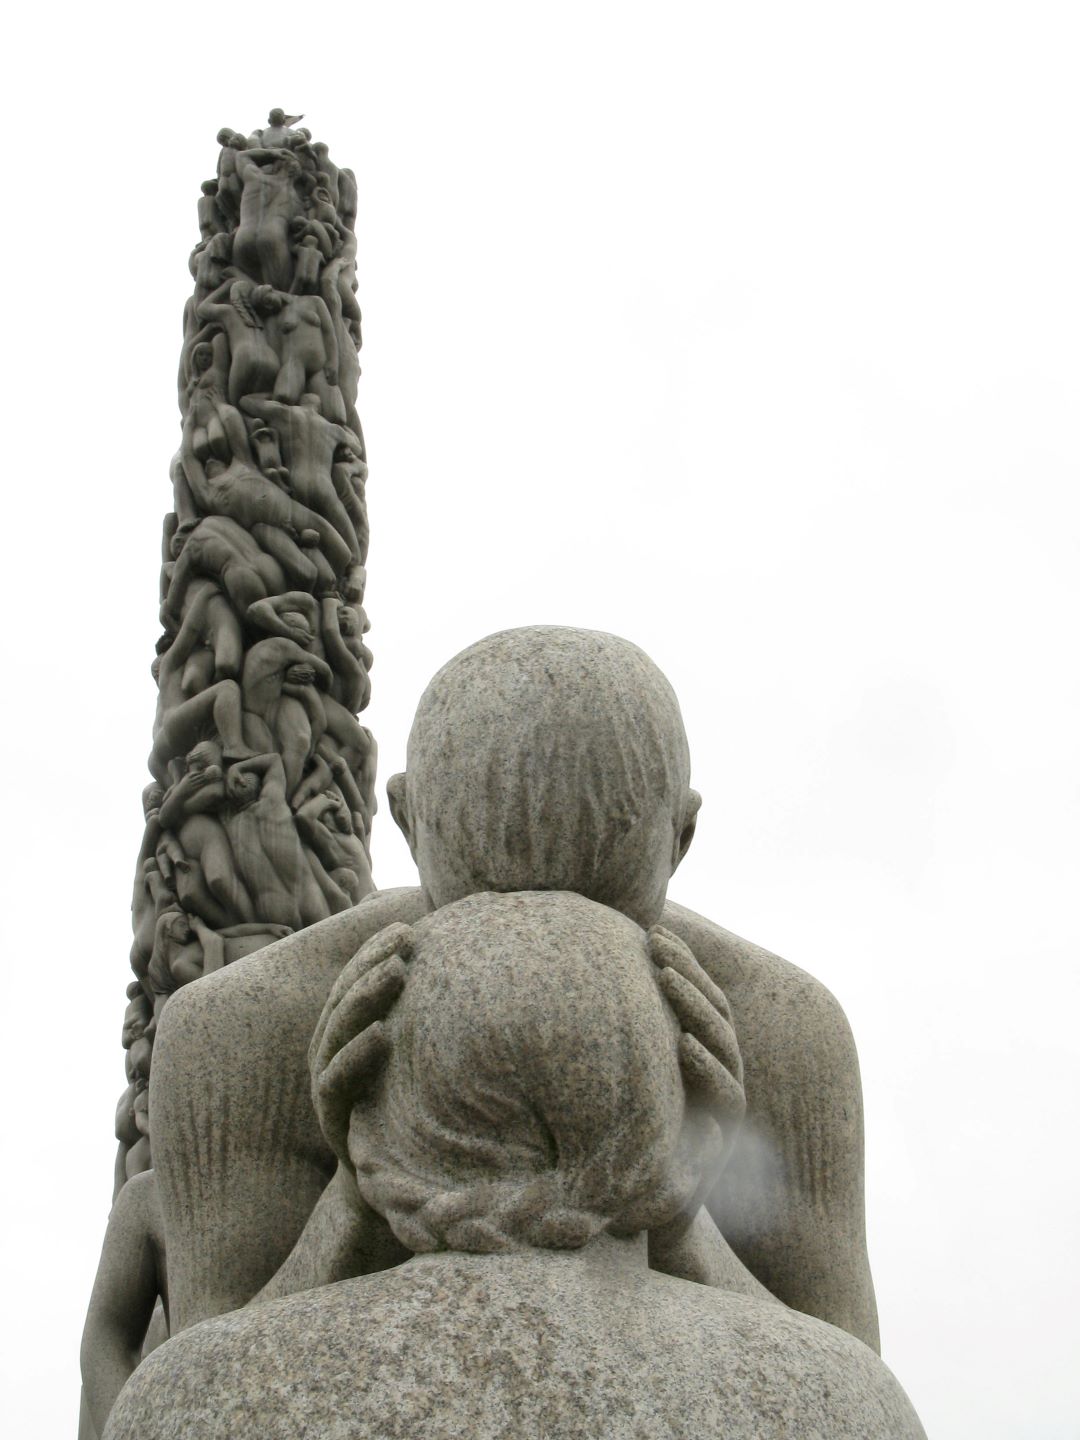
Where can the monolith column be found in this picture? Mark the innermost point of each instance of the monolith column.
(258, 812)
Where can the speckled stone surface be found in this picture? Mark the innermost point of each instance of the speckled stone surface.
(239, 1156)
(562, 1346)
(528, 1102)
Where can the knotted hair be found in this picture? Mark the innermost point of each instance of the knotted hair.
(531, 1092)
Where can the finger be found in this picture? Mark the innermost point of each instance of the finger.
(709, 1080)
(668, 951)
(697, 1016)
(335, 1090)
(396, 939)
(369, 1000)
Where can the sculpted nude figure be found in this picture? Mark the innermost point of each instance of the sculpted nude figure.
(207, 880)
(309, 442)
(229, 185)
(586, 788)
(303, 335)
(243, 494)
(267, 847)
(325, 823)
(269, 201)
(208, 646)
(241, 309)
(277, 687)
(520, 1104)
(220, 550)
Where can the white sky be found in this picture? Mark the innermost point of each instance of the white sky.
(746, 331)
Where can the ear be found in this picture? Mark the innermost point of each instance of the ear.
(689, 825)
(397, 794)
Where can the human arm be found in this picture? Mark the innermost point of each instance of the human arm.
(329, 335)
(342, 1238)
(790, 1200)
(213, 947)
(321, 674)
(126, 1288)
(213, 307)
(263, 408)
(356, 686)
(267, 614)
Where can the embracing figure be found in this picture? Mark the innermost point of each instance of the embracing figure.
(517, 1099)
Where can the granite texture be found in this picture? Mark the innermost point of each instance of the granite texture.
(258, 819)
(525, 1101)
(257, 822)
(250, 1198)
(555, 1344)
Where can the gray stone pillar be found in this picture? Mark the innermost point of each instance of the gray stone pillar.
(258, 815)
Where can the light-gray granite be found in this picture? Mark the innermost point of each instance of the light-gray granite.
(515, 1093)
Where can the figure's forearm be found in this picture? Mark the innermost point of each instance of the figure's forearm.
(108, 1362)
(342, 1238)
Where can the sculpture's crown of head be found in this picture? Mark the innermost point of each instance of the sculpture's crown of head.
(548, 758)
(531, 1094)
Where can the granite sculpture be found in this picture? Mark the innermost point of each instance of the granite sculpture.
(587, 788)
(523, 1105)
(258, 818)
(439, 1160)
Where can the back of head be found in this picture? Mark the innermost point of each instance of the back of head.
(550, 759)
(532, 1094)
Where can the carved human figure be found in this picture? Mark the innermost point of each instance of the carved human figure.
(216, 709)
(211, 218)
(309, 442)
(211, 425)
(243, 494)
(266, 844)
(343, 629)
(276, 615)
(303, 334)
(207, 646)
(229, 184)
(221, 550)
(268, 202)
(138, 1046)
(146, 897)
(348, 474)
(186, 949)
(278, 132)
(337, 286)
(206, 877)
(586, 770)
(241, 308)
(325, 823)
(210, 264)
(131, 1276)
(523, 1106)
(277, 687)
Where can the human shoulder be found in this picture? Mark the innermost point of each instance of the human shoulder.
(739, 964)
(780, 1368)
(804, 1022)
(292, 977)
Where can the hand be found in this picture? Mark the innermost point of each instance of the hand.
(709, 1056)
(350, 1039)
(331, 375)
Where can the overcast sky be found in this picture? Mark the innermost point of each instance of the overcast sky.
(748, 331)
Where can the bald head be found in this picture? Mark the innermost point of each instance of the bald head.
(548, 759)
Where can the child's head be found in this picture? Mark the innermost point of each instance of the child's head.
(531, 1093)
(548, 759)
